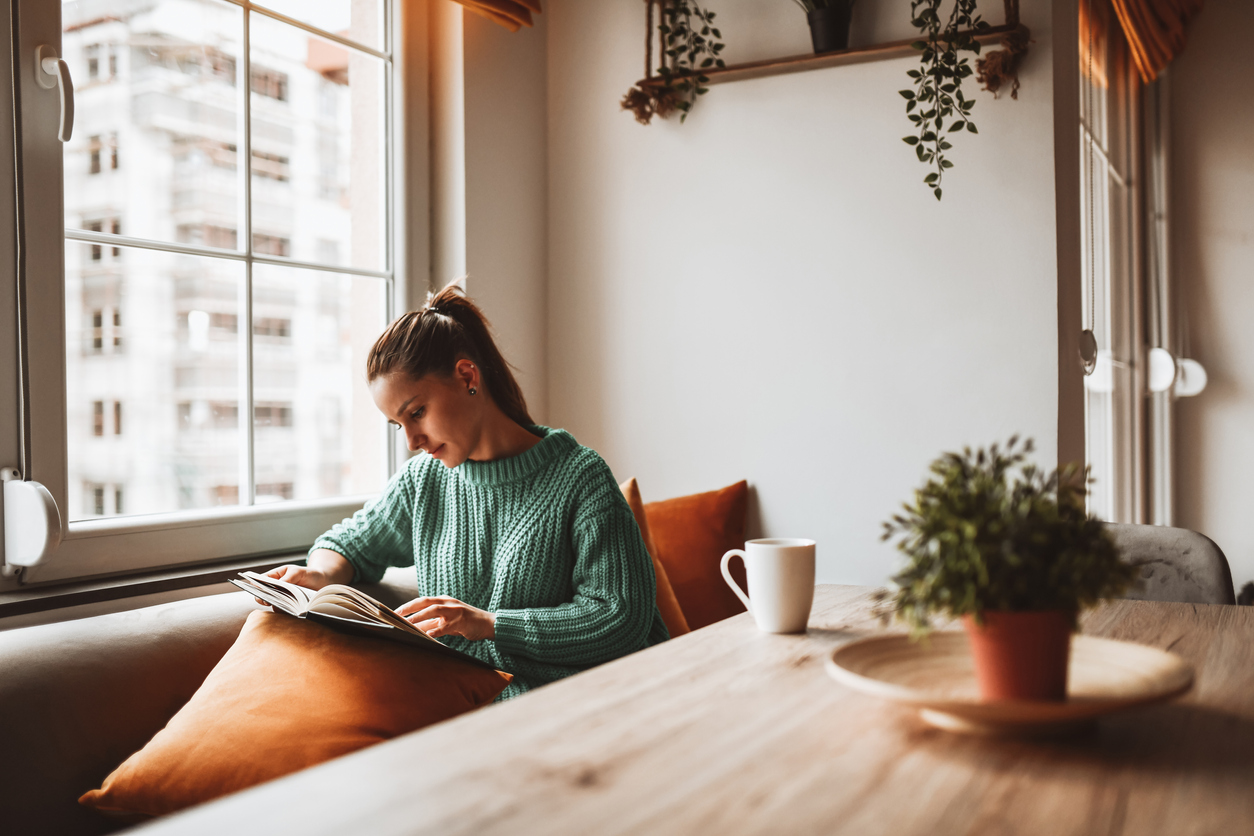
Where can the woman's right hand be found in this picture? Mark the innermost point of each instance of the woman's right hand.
(305, 576)
(323, 567)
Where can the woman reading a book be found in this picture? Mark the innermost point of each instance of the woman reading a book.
(527, 555)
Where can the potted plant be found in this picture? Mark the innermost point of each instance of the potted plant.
(829, 23)
(1013, 553)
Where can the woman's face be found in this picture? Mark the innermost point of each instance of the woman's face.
(437, 414)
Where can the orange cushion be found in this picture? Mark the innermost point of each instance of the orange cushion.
(667, 603)
(691, 533)
(289, 694)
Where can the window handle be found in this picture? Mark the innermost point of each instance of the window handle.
(32, 524)
(51, 71)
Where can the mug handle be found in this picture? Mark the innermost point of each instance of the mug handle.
(740, 593)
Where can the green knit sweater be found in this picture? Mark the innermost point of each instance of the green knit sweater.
(545, 540)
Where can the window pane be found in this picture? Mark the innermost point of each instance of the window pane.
(152, 381)
(359, 20)
(156, 128)
(316, 431)
(317, 149)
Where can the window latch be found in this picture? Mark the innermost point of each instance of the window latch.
(32, 524)
(51, 71)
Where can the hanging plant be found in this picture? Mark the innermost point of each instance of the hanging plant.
(691, 44)
(936, 105)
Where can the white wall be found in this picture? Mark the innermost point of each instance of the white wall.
(506, 181)
(1212, 204)
(769, 292)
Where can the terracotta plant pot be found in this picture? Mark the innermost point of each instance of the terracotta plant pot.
(1021, 655)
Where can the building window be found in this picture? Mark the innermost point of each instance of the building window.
(117, 417)
(117, 230)
(97, 500)
(97, 419)
(269, 83)
(271, 244)
(272, 326)
(271, 166)
(113, 151)
(113, 73)
(93, 61)
(117, 328)
(97, 331)
(274, 491)
(209, 235)
(94, 146)
(118, 507)
(273, 415)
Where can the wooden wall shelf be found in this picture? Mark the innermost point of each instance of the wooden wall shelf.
(802, 63)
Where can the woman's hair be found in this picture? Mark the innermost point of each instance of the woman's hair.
(432, 340)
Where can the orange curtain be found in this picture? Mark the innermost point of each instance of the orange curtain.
(1094, 29)
(512, 14)
(1155, 31)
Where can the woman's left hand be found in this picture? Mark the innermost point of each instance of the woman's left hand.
(441, 615)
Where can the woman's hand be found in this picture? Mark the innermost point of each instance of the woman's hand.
(441, 615)
(305, 576)
(322, 568)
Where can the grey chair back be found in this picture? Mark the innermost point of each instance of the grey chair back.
(1176, 564)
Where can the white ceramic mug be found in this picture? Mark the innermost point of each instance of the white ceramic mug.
(781, 583)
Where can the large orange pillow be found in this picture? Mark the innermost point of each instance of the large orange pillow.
(667, 603)
(691, 533)
(289, 694)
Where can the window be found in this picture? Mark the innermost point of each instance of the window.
(264, 244)
(269, 83)
(274, 415)
(93, 61)
(272, 326)
(1108, 90)
(271, 166)
(97, 331)
(217, 265)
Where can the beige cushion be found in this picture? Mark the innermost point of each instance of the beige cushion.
(77, 698)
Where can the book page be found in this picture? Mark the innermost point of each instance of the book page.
(383, 614)
(276, 598)
(351, 613)
(298, 595)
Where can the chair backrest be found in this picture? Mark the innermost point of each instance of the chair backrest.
(1176, 564)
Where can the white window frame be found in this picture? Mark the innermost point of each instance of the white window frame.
(122, 545)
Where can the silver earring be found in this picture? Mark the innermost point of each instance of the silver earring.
(473, 390)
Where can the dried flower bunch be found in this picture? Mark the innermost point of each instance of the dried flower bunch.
(691, 44)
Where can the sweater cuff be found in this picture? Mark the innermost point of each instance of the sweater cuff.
(511, 630)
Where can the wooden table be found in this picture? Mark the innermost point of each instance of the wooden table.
(728, 731)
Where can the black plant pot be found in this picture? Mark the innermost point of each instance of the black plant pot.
(829, 26)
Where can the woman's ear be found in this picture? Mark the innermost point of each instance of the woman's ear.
(467, 372)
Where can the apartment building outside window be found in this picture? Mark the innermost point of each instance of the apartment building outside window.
(251, 293)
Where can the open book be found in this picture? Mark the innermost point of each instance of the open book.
(347, 609)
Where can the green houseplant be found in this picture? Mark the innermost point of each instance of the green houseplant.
(1012, 551)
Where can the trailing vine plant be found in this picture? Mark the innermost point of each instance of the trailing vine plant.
(936, 105)
(691, 44)
(691, 47)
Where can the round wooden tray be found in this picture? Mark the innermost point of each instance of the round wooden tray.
(936, 675)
